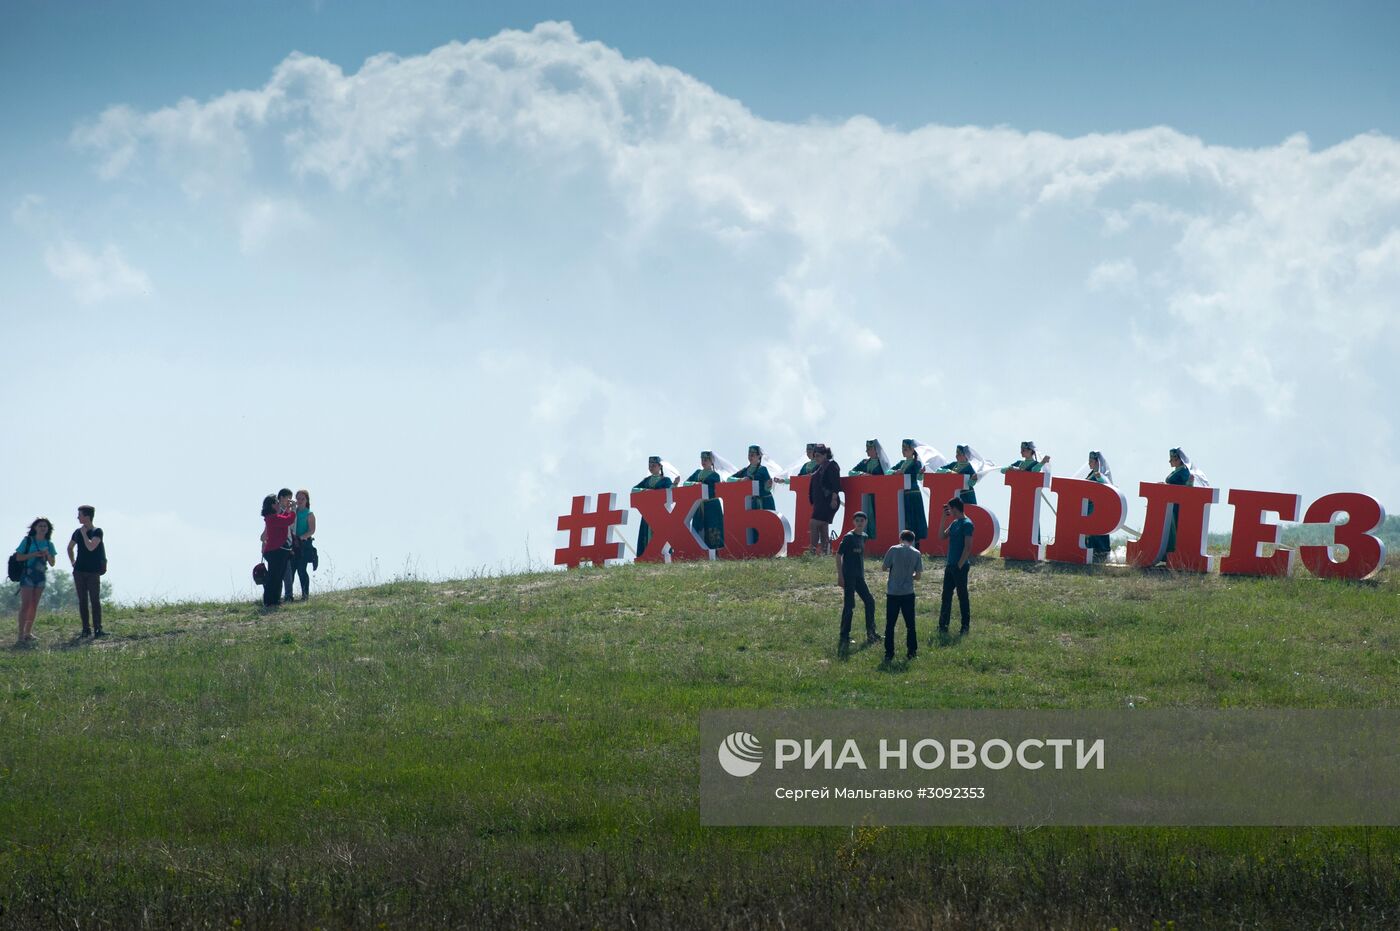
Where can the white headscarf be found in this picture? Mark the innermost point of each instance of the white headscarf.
(1104, 469)
(791, 472)
(765, 460)
(670, 471)
(882, 456)
(980, 466)
(1196, 473)
(723, 466)
(930, 457)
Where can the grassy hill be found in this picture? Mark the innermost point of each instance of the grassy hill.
(522, 751)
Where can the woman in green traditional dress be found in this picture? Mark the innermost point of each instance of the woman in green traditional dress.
(876, 462)
(1027, 462)
(807, 468)
(708, 521)
(915, 518)
(662, 475)
(758, 471)
(967, 461)
(1097, 470)
(1183, 473)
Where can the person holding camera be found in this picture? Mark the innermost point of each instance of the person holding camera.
(956, 528)
(279, 520)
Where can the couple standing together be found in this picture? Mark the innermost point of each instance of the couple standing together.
(36, 553)
(287, 547)
(904, 563)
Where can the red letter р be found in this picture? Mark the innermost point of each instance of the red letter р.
(1250, 532)
(667, 512)
(1192, 504)
(986, 529)
(1073, 522)
(767, 529)
(1365, 550)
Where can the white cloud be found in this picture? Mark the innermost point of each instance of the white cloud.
(1262, 235)
(642, 265)
(1117, 275)
(95, 276)
(268, 219)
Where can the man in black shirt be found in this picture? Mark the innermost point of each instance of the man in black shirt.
(850, 575)
(88, 566)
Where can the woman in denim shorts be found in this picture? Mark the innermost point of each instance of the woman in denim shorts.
(37, 553)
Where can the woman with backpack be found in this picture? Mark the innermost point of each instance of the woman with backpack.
(35, 554)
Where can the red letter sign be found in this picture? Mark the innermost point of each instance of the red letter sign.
(769, 530)
(1073, 522)
(1023, 523)
(597, 523)
(802, 520)
(1365, 551)
(884, 498)
(667, 512)
(986, 531)
(1250, 532)
(1192, 504)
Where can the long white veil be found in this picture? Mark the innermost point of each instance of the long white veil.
(981, 466)
(723, 466)
(882, 457)
(1104, 469)
(768, 462)
(930, 457)
(791, 471)
(1196, 473)
(670, 471)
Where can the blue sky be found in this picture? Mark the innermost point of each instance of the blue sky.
(327, 245)
(1235, 73)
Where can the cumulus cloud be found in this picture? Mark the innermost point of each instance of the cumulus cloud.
(1261, 235)
(655, 261)
(95, 276)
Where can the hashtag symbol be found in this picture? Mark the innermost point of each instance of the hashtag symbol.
(584, 518)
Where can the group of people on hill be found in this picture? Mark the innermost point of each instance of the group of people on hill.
(29, 567)
(824, 489)
(288, 546)
(903, 562)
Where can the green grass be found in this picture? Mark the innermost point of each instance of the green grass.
(522, 751)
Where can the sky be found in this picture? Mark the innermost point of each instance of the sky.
(448, 265)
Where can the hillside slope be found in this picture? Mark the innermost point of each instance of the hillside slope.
(521, 751)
